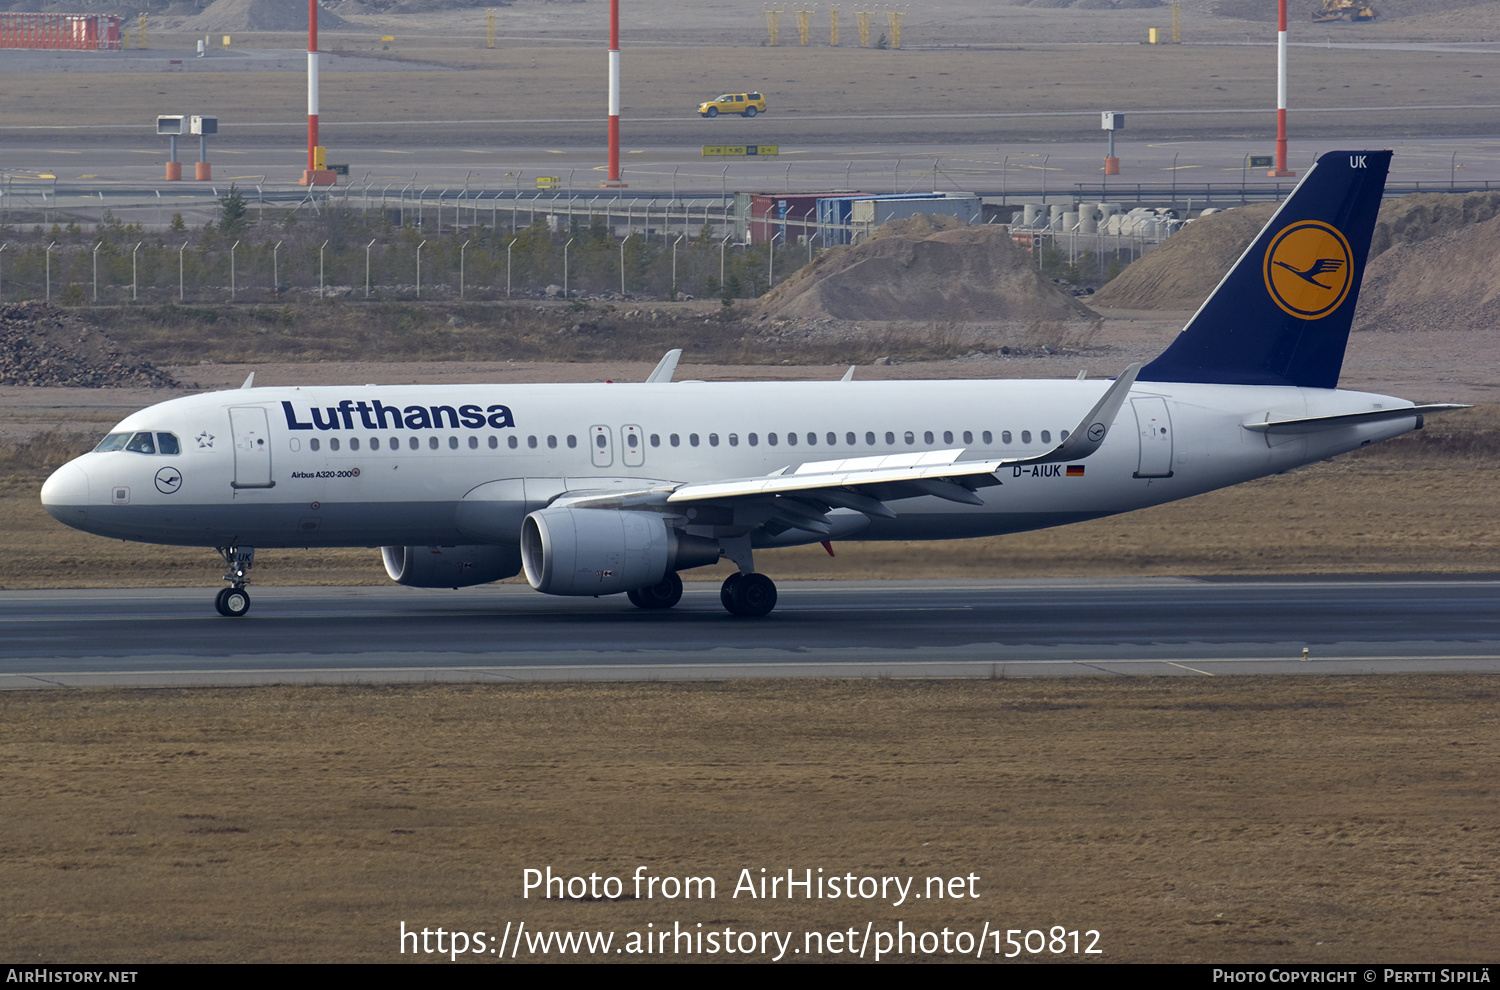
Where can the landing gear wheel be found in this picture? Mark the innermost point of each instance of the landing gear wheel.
(726, 592)
(664, 594)
(712, 112)
(749, 111)
(232, 602)
(753, 595)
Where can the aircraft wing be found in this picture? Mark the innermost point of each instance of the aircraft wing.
(865, 484)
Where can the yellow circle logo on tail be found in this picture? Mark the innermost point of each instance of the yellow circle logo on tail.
(1309, 269)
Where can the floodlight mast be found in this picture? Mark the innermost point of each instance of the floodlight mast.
(312, 85)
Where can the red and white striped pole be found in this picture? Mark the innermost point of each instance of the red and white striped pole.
(1281, 169)
(312, 83)
(614, 93)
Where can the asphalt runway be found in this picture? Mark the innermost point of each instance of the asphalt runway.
(1160, 626)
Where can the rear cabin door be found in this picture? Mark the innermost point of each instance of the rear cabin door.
(1155, 428)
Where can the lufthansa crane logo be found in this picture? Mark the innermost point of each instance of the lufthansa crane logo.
(1309, 269)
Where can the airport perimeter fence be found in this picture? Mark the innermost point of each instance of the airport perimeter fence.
(338, 253)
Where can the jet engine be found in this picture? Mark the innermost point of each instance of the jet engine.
(569, 551)
(450, 567)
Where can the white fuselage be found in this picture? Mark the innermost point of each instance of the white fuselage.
(404, 465)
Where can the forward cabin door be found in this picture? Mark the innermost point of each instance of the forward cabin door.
(1155, 428)
(252, 447)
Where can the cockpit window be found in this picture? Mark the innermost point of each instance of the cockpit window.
(142, 443)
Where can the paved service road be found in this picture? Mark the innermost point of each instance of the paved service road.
(1006, 629)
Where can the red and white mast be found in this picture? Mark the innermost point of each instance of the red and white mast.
(614, 94)
(1281, 169)
(312, 84)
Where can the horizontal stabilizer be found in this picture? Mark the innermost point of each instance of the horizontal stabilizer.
(1314, 424)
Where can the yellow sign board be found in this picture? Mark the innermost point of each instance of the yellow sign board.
(548, 181)
(739, 150)
(388, 37)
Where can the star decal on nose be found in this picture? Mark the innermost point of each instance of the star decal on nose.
(205, 439)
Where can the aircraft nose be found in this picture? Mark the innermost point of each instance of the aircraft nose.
(65, 495)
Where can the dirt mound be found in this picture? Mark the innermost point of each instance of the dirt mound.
(1449, 282)
(968, 274)
(40, 345)
(258, 15)
(1183, 271)
(921, 225)
(1299, 11)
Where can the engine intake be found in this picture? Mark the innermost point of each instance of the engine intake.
(570, 551)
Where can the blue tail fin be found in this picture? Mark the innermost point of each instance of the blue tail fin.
(1282, 314)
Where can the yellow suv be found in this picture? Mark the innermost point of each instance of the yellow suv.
(744, 104)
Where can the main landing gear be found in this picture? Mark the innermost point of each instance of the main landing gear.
(742, 594)
(751, 595)
(234, 601)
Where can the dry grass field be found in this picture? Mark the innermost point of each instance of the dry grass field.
(1213, 820)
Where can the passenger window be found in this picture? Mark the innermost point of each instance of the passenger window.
(601, 441)
(791, 439)
(552, 443)
(333, 443)
(989, 437)
(473, 443)
(432, 443)
(947, 436)
(413, 443)
(1004, 436)
(870, 439)
(693, 439)
(313, 442)
(1025, 436)
(833, 439)
(656, 439)
(674, 440)
(141, 443)
(1046, 436)
(572, 441)
(512, 442)
(354, 443)
(734, 439)
(494, 442)
(531, 442)
(1063, 435)
(713, 439)
(753, 439)
(771, 439)
(968, 436)
(166, 443)
(374, 443)
(849, 439)
(395, 443)
(911, 438)
(927, 437)
(890, 439)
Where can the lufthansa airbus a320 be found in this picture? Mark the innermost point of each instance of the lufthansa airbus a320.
(601, 489)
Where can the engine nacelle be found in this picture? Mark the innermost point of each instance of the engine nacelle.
(450, 567)
(570, 551)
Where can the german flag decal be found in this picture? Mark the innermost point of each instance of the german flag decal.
(1309, 269)
(1075, 470)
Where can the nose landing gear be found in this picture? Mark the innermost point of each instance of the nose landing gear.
(234, 601)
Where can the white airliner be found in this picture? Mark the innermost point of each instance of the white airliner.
(601, 489)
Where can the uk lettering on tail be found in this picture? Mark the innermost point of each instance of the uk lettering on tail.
(602, 489)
